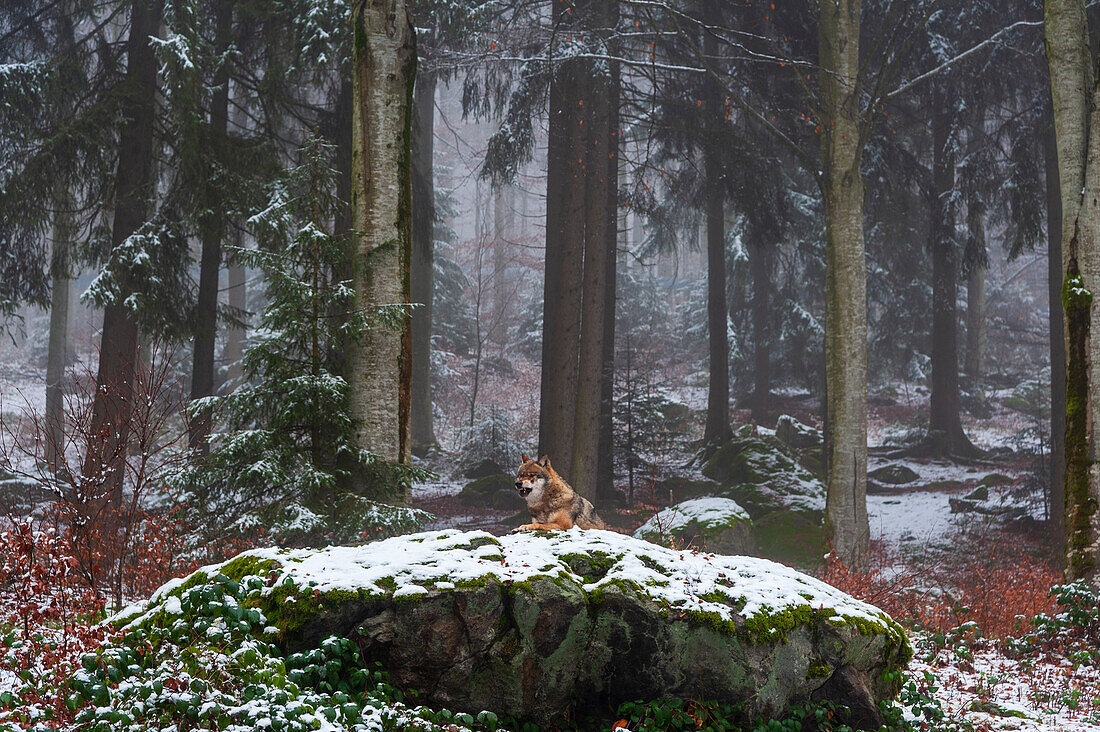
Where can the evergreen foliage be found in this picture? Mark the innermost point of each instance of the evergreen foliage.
(286, 459)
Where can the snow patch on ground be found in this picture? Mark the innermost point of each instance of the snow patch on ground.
(1052, 696)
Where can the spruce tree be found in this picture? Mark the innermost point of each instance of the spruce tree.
(286, 457)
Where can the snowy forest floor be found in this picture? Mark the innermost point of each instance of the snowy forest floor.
(967, 583)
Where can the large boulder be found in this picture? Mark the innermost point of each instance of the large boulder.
(531, 625)
(714, 524)
(493, 491)
(762, 474)
(796, 435)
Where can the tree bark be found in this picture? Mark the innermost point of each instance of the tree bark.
(1078, 140)
(212, 229)
(598, 237)
(717, 430)
(423, 261)
(104, 464)
(846, 529)
(564, 252)
(58, 354)
(975, 298)
(1057, 345)
(605, 470)
(379, 363)
(760, 265)
(945, 431)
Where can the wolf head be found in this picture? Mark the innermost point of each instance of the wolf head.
(533, 475)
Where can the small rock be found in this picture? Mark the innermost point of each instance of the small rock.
(981, 493)
(894, 474)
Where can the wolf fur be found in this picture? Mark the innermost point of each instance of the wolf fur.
(552, 502)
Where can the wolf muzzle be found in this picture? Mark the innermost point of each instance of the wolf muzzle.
(522, 491)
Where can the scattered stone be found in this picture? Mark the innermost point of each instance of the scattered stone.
(894, 474)
(762, 475)
(995, 479)
(714, 524)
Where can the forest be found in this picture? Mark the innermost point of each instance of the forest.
(789, 302)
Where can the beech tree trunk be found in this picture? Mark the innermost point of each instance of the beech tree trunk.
(104, 464)
(235, 334)
(565, 192)
(975, 298)
(423, 261)
(945, 431)
(846, 529)
(380, 363)
(212, 230)
(1078, 140)
(1057, 345)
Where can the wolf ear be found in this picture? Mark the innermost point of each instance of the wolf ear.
(523, 458)
(544, 461)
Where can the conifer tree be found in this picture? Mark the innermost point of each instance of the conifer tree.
(287, 457)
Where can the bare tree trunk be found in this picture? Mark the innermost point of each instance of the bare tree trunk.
(564, 252)
(760, 264)
(1070, 62)
(379, 364)
(975, 297)
(605, 470)
(118, 353)
(846, 529)
(598, 237)
(503, 220)
(213, 229)
(1057, 346)
(945, 431)
(717, 428)
(57, 356)
(423, 261)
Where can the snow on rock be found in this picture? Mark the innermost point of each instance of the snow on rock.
(530, 623)
(717, 524)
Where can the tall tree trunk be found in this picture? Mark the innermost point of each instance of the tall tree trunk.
(104, 463)
(1078, 140)
(212, 229)
(717, 428)
(605, 470)
(975, 295)
(235, 334)
(760, 264)
(504, 198)
(598, 237)
(846, 529)
(423, 261)
(945, 431)
(379, 364)
(1057, 345)
(564, 255)
(57, 356)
